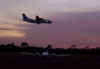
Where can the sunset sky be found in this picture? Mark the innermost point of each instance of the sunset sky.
(74, 22)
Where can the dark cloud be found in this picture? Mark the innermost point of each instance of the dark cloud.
(5, 29)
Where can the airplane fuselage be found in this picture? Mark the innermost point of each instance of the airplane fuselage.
(37, 21)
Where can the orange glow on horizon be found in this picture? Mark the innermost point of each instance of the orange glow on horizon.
(11, 34)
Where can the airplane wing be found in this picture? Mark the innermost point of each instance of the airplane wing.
(62, 55)
(36, 54)
(27, 53)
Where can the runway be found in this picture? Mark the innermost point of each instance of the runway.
(18, 61)
(46, 60)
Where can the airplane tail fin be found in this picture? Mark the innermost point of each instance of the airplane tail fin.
(24, 16)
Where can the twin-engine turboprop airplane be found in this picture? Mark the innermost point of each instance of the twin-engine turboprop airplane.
(38, 20)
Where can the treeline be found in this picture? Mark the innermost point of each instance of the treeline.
(24, 47)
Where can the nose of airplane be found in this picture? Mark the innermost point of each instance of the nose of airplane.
(49, 21)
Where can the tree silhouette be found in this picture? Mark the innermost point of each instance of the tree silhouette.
(24, 44)
(24, 47)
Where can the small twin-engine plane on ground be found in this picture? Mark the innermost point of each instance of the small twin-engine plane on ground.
(46, 53)
(38, 20)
